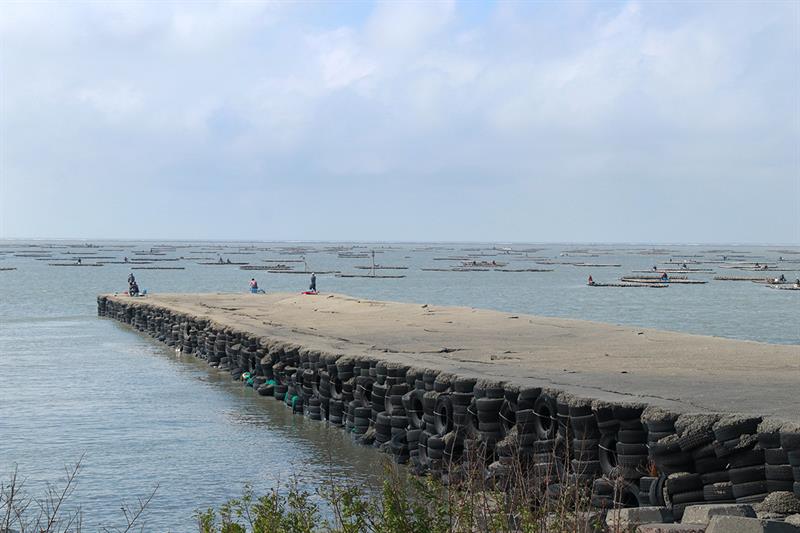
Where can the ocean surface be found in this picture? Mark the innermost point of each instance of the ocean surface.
(74, 385)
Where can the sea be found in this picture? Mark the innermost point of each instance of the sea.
(141, 419)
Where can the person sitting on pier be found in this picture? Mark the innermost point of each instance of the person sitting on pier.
(664, 277)
(313, 286)
(253, 285)
(134, 289)
(591, 281)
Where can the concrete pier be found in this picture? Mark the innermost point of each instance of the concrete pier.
(688, 373)
(716, 420)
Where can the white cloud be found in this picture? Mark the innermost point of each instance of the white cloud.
(409, 94)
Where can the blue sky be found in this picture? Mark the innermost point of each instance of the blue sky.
(499, 121)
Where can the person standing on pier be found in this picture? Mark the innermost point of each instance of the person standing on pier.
(313, 286)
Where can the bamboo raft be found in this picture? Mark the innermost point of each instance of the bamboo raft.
(670, 280)
(649, 285)
(157, 268)
(736, 278)
(781, 288)
(676, 270)
(75, 264)
(380, 267)
(265, 267)
(4, 269)
(217, 263)
(380, 276)
(306, 272)
(523, 270)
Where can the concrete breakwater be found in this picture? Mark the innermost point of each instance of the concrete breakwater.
(432, 388)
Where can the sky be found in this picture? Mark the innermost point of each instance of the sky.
(531, 121)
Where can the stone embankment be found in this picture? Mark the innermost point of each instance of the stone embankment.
(433, 389)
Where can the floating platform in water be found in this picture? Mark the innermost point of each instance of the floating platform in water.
(157, 268)
(75, 264)
(5, 269)
(217, 263)
(784, 287)
(379, 276)
(523, 270)
(380, 267)
(737, 278)
(676, 270)
(306, 272)
(671, 280)
(650, 285)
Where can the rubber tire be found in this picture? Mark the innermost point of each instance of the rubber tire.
(749, 489)
(746, 474)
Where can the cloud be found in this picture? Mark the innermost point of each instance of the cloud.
(457, 107)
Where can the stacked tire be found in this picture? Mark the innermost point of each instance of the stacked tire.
(777, 469)
(585, 463)
(790, 442)
(397, 387)
(736, 442)
(631, 447)
(683, 489)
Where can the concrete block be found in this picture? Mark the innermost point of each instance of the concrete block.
(739, 524)
(629, 518)
(671, 528)
(701, 514)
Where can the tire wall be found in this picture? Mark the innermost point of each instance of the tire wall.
(434, 421)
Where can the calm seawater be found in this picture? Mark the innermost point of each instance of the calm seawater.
(73, 384)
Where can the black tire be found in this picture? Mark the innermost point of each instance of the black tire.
(655, 436)
(464, 385)
(778, 473)
(508, 416)
(656, 492)
(695, 440)
(695, 496)
(715, 477)
(645, 482)
(632, 436)
(443, 415)
(489, 405)
(586, 467)
(769, 440)
(794, 457)
(631, 449)
(776, 456)
(687, 483)
(710, 464)
(745, 426)
(634, 463)
(790, 441)
(796, 488)
(584, 426)
(746, 458)
(526, 422)
(545, 410)
(718, 491)
(778, 485)
(749, 489)
(704, 452)
(607, 454)
(746, 474)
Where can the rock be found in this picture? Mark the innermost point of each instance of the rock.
(627, 518)
(738, 524)
(793, 519)
(671, 528)
(702, 514)
(780, 502)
